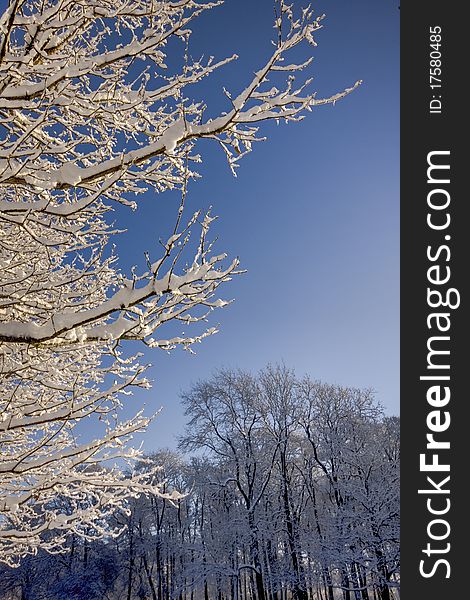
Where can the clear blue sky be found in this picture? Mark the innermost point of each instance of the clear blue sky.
(313, 215)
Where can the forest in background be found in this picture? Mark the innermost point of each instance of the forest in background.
(290, 491)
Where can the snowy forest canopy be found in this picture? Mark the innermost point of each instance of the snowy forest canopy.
(291, 492)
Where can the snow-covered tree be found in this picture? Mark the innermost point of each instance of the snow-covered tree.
(91, 117)
(225, 419)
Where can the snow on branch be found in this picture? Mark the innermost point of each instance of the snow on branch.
(138, 308)
(90, 126)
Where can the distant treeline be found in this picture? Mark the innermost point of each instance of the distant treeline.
(291, 491)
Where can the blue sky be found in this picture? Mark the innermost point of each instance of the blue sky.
(313, 215)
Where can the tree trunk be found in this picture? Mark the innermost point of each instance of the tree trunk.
(131, 561)
(328, 583)
(254, 551)
(158, 561)
(345, 584)
(383, 573)
(149, 578)
(299, 591)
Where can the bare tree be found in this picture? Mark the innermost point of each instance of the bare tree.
(224, 418)
(280, 404)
